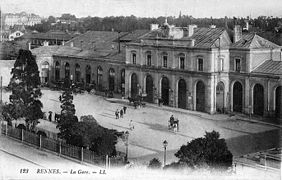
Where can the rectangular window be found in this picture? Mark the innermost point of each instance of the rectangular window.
(221, 65)
(149, 60)
(237, 65)
(182, 65)
(200, 64)
(134, 58)
(165, 61)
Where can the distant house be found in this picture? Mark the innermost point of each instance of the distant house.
(52, 37)
(15, 34)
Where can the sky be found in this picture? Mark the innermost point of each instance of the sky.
(146, 8)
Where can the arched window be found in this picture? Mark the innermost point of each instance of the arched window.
(57, 71)
(67, 71)
(100, 78)
(77, 73)
(88, 74)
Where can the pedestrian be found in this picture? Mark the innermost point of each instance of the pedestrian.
(121, 113)
(124, 109)
(131, 126)
(117, 114)
(60, 98)
(50, 116)
(171, 121)
(177, 123)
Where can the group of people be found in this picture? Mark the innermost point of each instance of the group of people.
(173, 124)
(50, 116)
(121, 112)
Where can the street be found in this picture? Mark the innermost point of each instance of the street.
(151, 127)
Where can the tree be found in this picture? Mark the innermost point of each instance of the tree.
(67, 121)
(25, 86)
(155, 164)
(209, 151)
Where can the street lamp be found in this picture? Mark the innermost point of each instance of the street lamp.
(126, 135)
(165, 145)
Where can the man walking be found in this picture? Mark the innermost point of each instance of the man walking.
(117, 114)
(124, 109)
(121, 113)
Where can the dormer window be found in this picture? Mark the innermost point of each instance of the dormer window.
(237, 65)
(200, 64)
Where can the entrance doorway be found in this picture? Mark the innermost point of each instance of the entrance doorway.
(200, 96)
(165, 90)
(182, 94)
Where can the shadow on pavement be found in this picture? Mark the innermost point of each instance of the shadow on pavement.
(254, 142)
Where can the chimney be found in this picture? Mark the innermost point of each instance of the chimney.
(71, 44)
(154, 27)
(212, 26)
(237, 33)
(45, 43)
(191, 29)
(118, 43)
(29, 45)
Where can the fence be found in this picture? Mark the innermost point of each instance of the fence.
(60, 147)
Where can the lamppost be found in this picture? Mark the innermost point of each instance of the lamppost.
(126, 135)
(165, 145)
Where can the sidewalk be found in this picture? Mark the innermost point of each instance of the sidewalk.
(41, 158)
(206, 116)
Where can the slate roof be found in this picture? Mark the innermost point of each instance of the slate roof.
(51, 35)
(204, 37)
(269, 67)
(100, 39)
(134, 35)
(51, 50)
(253, 41)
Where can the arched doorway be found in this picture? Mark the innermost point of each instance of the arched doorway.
(220, 97)
(67, 71)
(278, 98)
(45, 72)
(200, 96)
(122, 81)
(57, 71)
(77, 73)
(100, 78)
(165, 90)
(149, 89)
(111, 79)
(134, 85)
(88, 74)
(182, 94)
(237, 97)
(258, 98)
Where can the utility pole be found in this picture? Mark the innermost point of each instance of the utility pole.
(1, 23)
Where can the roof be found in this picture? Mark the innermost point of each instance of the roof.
(104, 40)
(51, 50)
(134, 35)
(52, 35)
(204, 37)
(269, 67)
(253, 41)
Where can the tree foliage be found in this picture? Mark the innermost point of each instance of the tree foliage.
(210, 151)
(87, 133)
(25, 85)
(155, 164)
